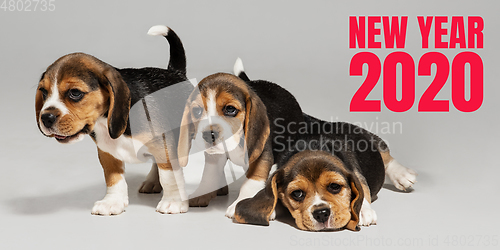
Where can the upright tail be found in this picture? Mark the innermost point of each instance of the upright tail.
(240, 71)
(177, 54)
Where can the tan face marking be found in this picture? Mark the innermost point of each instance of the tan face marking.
(213, 103)
(198, 104)
(338, 203)
(207, 111)
(80, 113)
(54, 97)
(66, 77)
(224, 100)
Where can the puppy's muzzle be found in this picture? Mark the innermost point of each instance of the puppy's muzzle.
(49, 119)
(321, 215)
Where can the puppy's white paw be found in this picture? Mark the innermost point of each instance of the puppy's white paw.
(273, 216)
(367, 215)
(230, 210)
(110, 205)
(150, 187)
(169, 206)
(402, 177)
(249, 188)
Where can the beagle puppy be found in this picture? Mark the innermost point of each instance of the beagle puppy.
(233, 117)
(79, 94)
(328, 179)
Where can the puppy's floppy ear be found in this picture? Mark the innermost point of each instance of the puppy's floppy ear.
(357, 196)
(186, 135)
(256, 126)
(39, 101)
(258, 209)
(119, 102)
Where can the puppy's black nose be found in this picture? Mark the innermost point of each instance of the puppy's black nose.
(48, 119)
(321, 215)
(210, 136)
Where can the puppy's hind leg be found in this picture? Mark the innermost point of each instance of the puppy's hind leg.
(152, 183)
(171, 176)
(402, 177)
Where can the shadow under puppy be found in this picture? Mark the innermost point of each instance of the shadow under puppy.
(327, 179)
(234, 118)
(79, 94)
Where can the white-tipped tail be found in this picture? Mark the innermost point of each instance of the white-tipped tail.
(238, 67)
(158, 30)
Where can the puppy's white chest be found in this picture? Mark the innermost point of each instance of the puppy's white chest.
(123, 148)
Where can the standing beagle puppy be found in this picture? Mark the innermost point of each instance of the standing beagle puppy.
(328, 179)
(79, 94)
(234, 117)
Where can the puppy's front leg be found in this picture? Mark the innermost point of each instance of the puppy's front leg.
(212, 180)
(116, 198)
(257, 174)
(174, 198)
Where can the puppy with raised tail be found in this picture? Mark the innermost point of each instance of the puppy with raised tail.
(79, 94)
(234, 117)
(327, 179)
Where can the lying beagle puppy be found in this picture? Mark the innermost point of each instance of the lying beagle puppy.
(328, 179)
(79, 94)
(234, 117)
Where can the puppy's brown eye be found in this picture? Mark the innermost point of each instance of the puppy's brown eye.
(334, 188)
(298, 195)
(230, 111)
(197, 111)
(75, 95)
(44, 93)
